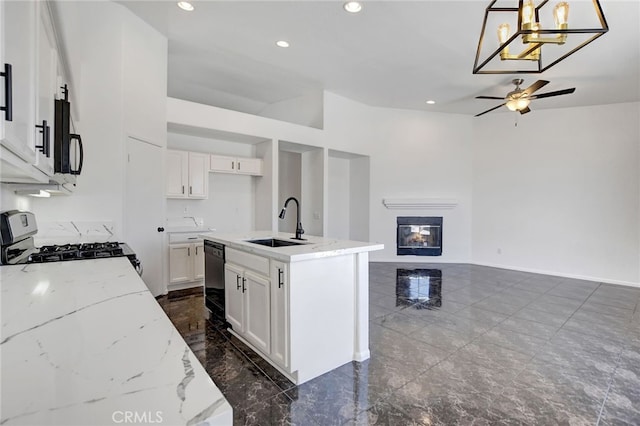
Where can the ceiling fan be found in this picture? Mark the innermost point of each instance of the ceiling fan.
(519, 99)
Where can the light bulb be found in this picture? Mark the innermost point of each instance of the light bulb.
(185, 5)
(504, 31)
(528, 11)
(561, 14)
(352, 6)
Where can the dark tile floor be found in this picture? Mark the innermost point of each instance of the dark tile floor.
(451, 344)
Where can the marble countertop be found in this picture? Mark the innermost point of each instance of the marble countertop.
(313, 248)
(85, 343)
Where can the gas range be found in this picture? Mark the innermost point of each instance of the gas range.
(16, 238)
(98, 250)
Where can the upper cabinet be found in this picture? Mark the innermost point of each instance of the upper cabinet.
(19, 30)
(187, 174)
(241, 165)
(30, 83)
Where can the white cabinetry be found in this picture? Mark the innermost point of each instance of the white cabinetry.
(186, 262)
(280, 313)
(29, 60)
(247, 297)
(47, 89)
(187, 175)
(240, 165)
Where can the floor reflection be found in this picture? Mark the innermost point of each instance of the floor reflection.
(419, 288)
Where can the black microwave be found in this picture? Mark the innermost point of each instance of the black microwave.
(68, 154)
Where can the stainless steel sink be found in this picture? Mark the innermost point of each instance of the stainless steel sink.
(274, 242)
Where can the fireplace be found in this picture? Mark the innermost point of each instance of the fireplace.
(419, 236)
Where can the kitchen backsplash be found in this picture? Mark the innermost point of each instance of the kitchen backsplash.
(74, 232)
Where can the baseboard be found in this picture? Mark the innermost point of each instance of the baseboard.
(560, 274)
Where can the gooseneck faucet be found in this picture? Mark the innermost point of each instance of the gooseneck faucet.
(299, 230)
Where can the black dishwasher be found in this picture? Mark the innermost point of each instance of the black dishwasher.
(214, 277)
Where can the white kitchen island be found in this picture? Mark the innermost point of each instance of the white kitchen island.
(303, 308)
(85, 343)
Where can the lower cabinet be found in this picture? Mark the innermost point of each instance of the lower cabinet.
(186, 262)
(247, 307)
(280, 313)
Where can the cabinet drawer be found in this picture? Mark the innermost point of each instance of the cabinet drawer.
(251, 261)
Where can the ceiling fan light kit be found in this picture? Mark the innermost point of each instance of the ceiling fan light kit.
(519, 99)
(543, 37)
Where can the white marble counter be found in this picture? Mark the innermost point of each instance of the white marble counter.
(313, 248)
(85, 343)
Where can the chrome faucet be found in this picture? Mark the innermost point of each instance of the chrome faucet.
(299, 230)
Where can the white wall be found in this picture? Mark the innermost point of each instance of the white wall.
(230, 206)
(289, 185)
(339, 198)
(312, 199)
(559, 193)
(10, 201)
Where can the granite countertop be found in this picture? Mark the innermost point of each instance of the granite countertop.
(85, 343)
(313, 248)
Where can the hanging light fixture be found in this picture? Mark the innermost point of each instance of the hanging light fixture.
(522, 51)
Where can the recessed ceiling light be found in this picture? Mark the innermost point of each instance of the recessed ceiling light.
(352, 6)
(185, 5)
(282, 43)
(431, 102)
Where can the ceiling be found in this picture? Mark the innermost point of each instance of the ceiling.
(394, 54)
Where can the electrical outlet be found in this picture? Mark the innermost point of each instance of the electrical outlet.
(316, 215)
(186, 209)
(499, 251)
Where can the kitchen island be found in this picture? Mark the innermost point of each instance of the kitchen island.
(304, 307)
(85, 343)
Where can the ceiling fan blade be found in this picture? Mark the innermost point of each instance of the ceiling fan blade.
(535, 86)
(489, 110)
(524, 111)
(556, 93)
(489, 97)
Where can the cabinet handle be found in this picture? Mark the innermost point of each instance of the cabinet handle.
(196, 250)
(183, 189)
(280, 280)
(233, 163)
(238, 166)
(8, 93)
(188, 251)
(237, 282)
(190, 190)
(45, 130)
(244, 280)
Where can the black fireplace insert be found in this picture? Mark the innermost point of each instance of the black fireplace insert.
(419, 236)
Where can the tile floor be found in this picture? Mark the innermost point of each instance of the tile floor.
(451, 344)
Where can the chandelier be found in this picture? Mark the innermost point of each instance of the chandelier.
(531, 38)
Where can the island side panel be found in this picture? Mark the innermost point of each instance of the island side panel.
(361, 296)
(322, 315)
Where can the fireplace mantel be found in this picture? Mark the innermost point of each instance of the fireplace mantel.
(419, 203)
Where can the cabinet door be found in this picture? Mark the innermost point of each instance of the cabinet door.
(233, 297)
(222, 164)
(18, 36)
(180, 263)
(257, 311)
(46, 89)
(177, 174)
(250, 166)
(198, 261)
(280, 313)
(198, 175)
